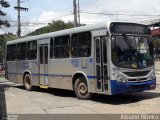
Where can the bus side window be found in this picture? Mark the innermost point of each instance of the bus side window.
(81, 44)
(61, 46)
(21, 51)
(31, 50)
(11, 52)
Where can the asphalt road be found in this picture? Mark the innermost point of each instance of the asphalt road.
(14, 99)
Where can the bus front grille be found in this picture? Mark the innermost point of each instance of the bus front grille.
(138, 73)
(137, 80)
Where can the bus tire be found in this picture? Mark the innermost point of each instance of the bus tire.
(81, 89)
(28, 82)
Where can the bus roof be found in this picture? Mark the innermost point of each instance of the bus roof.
(103, 25)
(61, 32)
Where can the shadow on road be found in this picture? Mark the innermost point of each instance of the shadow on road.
(52, 91)
(105, 99)
(3, 109)
(125, 98)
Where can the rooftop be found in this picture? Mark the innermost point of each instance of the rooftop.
(155, 22)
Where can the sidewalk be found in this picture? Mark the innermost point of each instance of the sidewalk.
(4, 82)
(157, 67)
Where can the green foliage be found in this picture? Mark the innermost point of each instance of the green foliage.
(3, 39)
(53, 26)
(4, 4)
(2, 48)
(156, 42)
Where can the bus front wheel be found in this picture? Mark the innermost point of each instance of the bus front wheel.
(81, 89)
(27, 82)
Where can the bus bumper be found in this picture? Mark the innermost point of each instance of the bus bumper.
(128, 87)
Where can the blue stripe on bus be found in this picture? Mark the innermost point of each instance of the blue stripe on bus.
(91, 77)
(53, 75)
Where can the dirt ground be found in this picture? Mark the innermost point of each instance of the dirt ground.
(16, 100)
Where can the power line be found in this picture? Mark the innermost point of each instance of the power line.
(103, 13)
(89, 3)
(65, 15)
(68, 14)
(30, 24)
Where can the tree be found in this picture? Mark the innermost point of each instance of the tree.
(2, 48)
(5, 5)
(52, 27)
(3, 39)
(60, 25)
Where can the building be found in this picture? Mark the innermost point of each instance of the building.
(155, 31)
(155, 27)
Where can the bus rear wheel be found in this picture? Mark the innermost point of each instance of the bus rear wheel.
(81, 89)
(27, 82)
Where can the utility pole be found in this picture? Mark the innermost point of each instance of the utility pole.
(19, 19)
(79, 22)
(19, 9)
(75, 13)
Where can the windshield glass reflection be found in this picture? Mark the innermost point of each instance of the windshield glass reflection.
(132, 51)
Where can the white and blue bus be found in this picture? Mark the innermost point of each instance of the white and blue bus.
(109, 58)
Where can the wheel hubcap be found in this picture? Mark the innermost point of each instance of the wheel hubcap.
(83, 88)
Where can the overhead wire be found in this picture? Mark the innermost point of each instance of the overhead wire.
(30, 24)
(103, 13)
(89, 3)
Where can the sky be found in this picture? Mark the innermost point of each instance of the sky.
(92, 11)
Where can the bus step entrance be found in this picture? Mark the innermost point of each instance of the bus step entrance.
(44, 86)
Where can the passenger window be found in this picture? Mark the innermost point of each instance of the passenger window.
(46, 54)
(51, 48)
(81, 44)
(104, 41)
(41, 55)
(21, 51)
(11, 52)
(97, 51)
(32, 50)
(61, 46)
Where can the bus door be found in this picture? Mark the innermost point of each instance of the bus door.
(101, 64)
(43, 64)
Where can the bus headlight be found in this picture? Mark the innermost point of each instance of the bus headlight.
(121, 79)
(118, 77)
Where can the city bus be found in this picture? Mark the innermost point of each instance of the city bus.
(108, 58)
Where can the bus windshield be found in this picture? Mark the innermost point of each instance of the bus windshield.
(132, 51)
